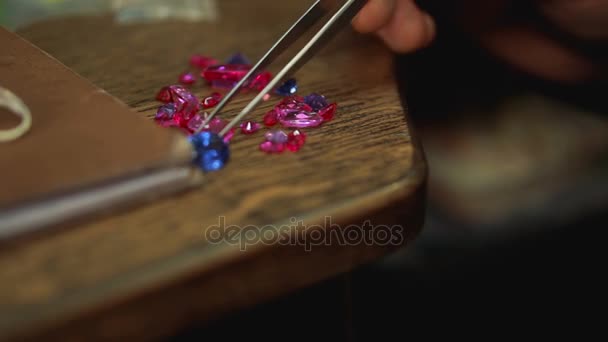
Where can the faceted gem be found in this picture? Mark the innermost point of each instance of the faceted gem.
(270, 119)
(328, 112)
(211, 100)
(165, 115)
(316, 101)
(277, 137)
(288, 88)
(238, 58)
(187, 78)
(226, 72)
(260, 81)
(250, 127)
(270, 147)
(185, 102)
(295, 140)
(212, 153)
(294, 102)
(299, 118)
(275, 142)
(202, 62)
(164, 95)
(195, 123)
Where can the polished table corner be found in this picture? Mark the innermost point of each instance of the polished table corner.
(149, 271)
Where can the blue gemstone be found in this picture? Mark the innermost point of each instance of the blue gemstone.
(238, 58)
(288, 88)
(316, 101)
(212, 153)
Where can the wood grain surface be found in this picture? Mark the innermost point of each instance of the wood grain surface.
(150, 270)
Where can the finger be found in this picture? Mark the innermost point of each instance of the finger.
(409, 28)
(374, 15)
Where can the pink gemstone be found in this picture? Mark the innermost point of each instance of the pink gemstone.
(266, 97)
(328, 112)
(250, 127)
(297, 118)
(164, 95)
(195, 123)
(295, 140)
(270, 119)
(200, 61)
(211, 101)
(187, 78)
(226, 72)
(270, 147)
(294, 102)
(185, 102)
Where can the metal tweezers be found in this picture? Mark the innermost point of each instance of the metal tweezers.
(343, 12)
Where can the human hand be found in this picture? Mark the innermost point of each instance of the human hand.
(399, 23)
(404, 27)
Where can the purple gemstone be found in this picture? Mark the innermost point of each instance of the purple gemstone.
(238, 58)
(165, 115)
(277, 137)
(316, 101)
(297, 118)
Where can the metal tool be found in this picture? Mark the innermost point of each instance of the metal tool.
(343, 12)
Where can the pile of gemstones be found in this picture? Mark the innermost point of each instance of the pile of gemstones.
(183, 110)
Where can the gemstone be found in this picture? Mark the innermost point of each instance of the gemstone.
(295, 140)
(195, 122)
(211, 100)
(288, 88)
(266, 97)
(250, 127)
(328, 112)
(202, 62)
(185, 102)
(187, 78)
(270, 119)
(276, 136)
(226, 72)
(212, 153)
(316, 101)
(275, 142)
(238, 58)
(270, 147)
(297, 118)
(260, 81)
(164, 95)
(294, 102)
(165, 115)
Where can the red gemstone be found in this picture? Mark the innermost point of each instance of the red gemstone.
(200, 61)
(328, 112)
(295, 140)
(211, 100)
(187, 78)
(226, 72)
(250, 127)
(260, 81)
(271, 119)
(164, 95)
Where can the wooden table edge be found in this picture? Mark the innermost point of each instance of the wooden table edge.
(197, 262)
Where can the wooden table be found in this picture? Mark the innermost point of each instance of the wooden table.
(148, 271)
